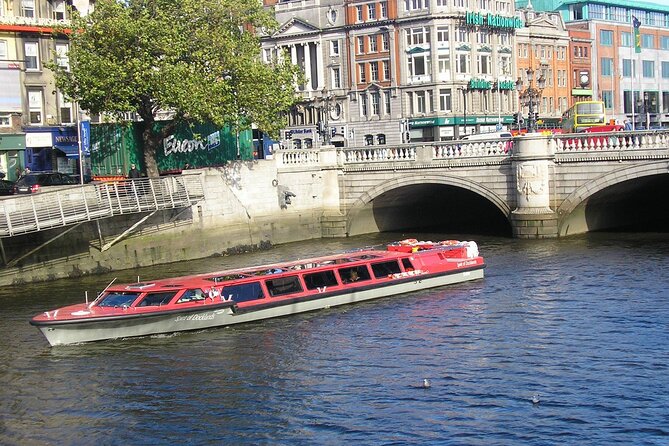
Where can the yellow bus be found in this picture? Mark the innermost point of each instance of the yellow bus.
(583, 115)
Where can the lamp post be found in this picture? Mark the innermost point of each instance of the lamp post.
(529, 95)
(324, 124)
(464, 91)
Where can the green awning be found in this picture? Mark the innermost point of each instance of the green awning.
(581, 92)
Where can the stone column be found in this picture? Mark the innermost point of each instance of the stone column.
(307, 66)
(333, 221)
(533, 216)
(320, 55)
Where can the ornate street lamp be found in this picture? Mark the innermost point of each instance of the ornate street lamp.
(324, 124)
(529, 96)
(464, 91)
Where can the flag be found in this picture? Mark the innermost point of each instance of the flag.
(637, 34)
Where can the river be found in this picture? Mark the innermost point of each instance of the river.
(582, 322)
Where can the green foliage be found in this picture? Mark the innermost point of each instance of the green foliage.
(196, 58)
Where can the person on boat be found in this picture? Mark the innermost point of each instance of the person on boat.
(353, 277)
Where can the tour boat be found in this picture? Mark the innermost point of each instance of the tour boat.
(236, 296)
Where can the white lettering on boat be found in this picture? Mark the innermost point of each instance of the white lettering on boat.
(196, 317)
(322, 289)
(407, 274)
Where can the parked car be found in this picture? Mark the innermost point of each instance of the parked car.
(6, 187)
(35, 181)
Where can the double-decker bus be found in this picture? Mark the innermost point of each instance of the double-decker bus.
(583, 115)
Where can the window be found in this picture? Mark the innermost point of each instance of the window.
(361, 70)
(385, 45)
(461, 34)
(607, 66)
(59, 10)
(445, 100)
(62, 58)
(118, 299)
(410, 5)
(156, 299)
(374, 71)
(381, 139)
(363, 105)
(628, 67)
(607, 98)
(358, 11)
(372, 44)
(32, 56)
(442, 35)
(356, 273)
(462, 63)
(336, 78)
(421, 106)
(386, 70)
(665, 70)
(371, 11)
(387, 101)
(361, 45)
(484, 64)
(419, 64)
(384, 269)
(321, 280)
(664, 42)
(417, 36)
(65, 109)
(334, 47)
(369, 141)
(376, 103)
(3, 50)
(28, 8)
(5, 120)
(483, 37)
(648, 68)
(444, 63)
(283, 285)
(384, 10)
(626, 39)
(243, 292)
(647, 41)
(35, 106)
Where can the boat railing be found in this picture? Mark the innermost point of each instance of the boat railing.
(76, 204)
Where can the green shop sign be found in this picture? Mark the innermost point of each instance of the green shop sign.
(482, 84)
(492, 20)
(458, 120)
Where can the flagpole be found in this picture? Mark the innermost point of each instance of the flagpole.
(632, 67)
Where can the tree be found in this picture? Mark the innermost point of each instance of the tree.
(198, 59)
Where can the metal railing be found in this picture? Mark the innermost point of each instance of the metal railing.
(76, 204)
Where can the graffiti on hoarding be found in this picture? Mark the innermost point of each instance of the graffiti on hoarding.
(173, 145)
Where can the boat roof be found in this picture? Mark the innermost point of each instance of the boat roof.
(255, 272)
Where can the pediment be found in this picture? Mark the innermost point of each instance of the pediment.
(296, 27)
(542, 21)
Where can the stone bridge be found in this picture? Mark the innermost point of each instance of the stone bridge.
(531, 186)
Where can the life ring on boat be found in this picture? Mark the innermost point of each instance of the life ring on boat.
(449, 242)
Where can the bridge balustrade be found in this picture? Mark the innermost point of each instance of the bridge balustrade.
(76, 204)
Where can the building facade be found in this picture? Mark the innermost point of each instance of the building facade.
(391, 72)
(37, 122)
(631, 78)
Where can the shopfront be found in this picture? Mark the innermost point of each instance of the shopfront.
(445, 129)
(52, 149)
(12, 148)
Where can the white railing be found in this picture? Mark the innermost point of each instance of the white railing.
(468, 149)
(76, 204)
(378, 154)
(612, 141)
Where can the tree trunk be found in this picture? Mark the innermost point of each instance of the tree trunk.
(151, 140)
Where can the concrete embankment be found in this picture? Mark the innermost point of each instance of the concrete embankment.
(242, 210)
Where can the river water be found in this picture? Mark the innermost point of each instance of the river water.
(583, 322)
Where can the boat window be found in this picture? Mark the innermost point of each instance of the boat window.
(384, 269)
(354, 274)
(283, 285)
(227, 277)
(243, 292)
(320, 279)
(406, 263)
(192, 295)
(118, 299)
(157, 299)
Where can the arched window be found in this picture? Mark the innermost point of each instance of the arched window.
(369, 140)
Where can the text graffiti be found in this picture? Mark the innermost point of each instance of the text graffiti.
(173, 145)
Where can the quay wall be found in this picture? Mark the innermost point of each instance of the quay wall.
(243, 210)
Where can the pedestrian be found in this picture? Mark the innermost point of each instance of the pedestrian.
(133, 173)
(186, 166)
(628, 125)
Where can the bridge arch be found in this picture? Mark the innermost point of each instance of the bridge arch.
(573, 215)
(361, 206)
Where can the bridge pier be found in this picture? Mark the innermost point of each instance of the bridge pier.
(533, 217)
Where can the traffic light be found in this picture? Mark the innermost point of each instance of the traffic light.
(321, 128)
(516, 118)
(289, 134)
(536, 116)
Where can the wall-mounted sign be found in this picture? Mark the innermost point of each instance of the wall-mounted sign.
(479, 84)
(506, 85)
(492, 20)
